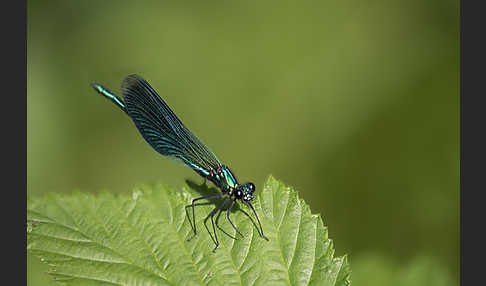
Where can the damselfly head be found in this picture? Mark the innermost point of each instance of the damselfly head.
(247, 191)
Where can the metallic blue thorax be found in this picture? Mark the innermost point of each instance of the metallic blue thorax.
(223, 178)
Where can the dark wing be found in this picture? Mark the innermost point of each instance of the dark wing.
(161, 128)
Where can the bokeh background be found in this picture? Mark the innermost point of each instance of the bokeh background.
(353, 103)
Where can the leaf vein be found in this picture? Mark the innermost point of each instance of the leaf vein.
(280, 244)
(74, 276)
(298, 235)
(128, 261)
(183, 246)
(78, 257)
(137, 232)
(61, 238)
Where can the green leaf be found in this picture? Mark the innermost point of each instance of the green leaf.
(142, 239)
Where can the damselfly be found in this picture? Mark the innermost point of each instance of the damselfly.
(161, 128)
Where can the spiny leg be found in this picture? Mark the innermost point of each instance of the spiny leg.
(261, 229)
(228, 216)
(193, 213)
(212, 221)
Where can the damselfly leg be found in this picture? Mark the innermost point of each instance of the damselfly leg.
(261, 229)
(193, 213)
(212, 221)
(228, 216)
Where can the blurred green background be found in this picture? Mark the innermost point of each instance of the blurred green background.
(354, 103)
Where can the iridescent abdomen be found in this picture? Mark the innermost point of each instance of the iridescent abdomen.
(223, 178)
